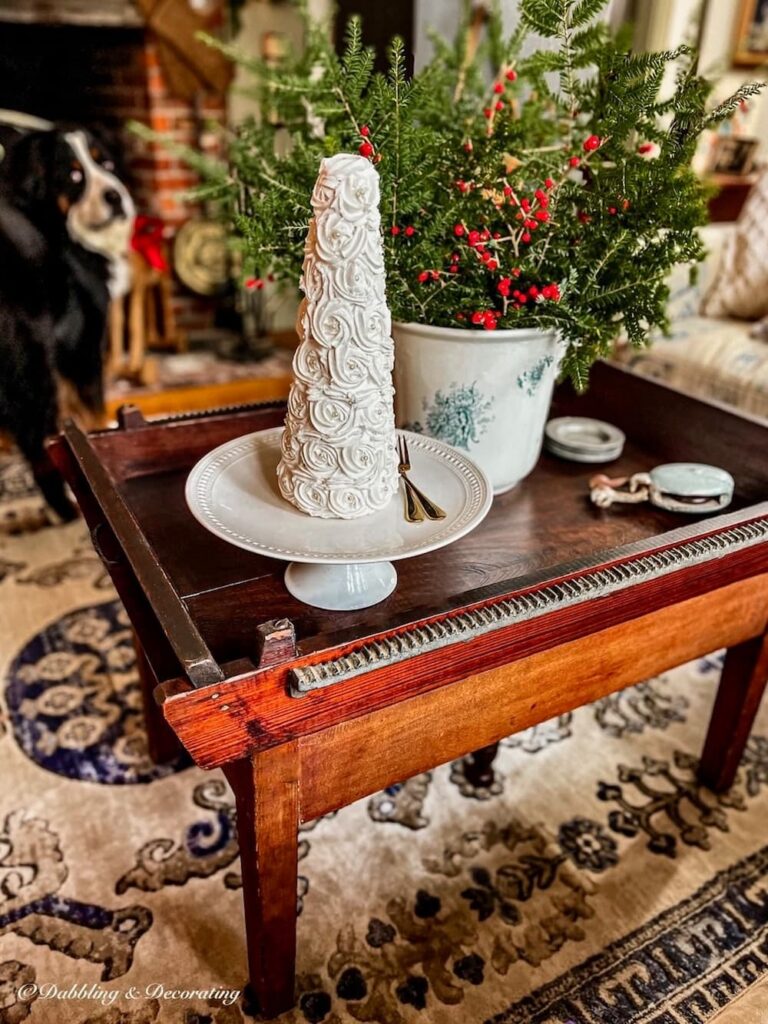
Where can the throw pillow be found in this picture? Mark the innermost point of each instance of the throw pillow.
(740, 287)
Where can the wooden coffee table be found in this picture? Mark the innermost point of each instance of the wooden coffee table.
(549, 604)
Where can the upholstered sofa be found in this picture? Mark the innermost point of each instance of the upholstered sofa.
(708, 357)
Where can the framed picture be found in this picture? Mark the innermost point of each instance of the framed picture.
(752, 34)
(733, 154)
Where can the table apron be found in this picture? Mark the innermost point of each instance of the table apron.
(360, 756)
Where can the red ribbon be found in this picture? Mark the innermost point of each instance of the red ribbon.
(147, 241)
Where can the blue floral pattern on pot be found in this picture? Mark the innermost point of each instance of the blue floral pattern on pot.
(460, 416)
(529, 380)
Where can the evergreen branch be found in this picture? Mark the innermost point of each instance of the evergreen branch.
(585, 11)
(606, 233)
(727, 107)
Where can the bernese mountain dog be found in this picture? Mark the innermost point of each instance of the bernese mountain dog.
(65, 227)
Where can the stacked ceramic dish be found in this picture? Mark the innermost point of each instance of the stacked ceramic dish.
(581, 439)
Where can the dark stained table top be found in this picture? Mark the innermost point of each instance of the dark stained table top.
(540, 531)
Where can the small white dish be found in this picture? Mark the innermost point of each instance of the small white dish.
(607, 455)
(340, 564)
(582, 439)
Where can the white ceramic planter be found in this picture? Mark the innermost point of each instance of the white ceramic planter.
(487, 392)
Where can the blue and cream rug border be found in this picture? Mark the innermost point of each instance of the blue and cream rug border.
(696, 958)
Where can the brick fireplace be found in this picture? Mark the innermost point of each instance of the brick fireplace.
(93, 62)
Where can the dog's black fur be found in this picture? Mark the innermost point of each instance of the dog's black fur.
(54, 299)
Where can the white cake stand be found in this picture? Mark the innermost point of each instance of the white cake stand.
(340, 564)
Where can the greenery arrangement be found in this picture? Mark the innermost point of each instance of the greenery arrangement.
(546, 190)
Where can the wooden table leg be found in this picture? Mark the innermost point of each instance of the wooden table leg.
(267, 796)
(478, 766)
(745, 673)
(162, 743)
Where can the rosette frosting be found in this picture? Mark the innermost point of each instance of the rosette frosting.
(338, 452)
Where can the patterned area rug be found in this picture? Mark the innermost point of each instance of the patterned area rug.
(594, 882)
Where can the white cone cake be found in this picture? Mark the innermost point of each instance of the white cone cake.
(338, 450)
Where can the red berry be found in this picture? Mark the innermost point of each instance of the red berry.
(499, 105)
(511, 75)
(468, 146)
(460, 316)
(497, 234)
(423, 276)
(486, 256)
(612, 210)
(477, 317)
(458, 230)
(533, 291)
(434, 275)
(487, 112)
(473, 237)
(507, 190)
(516, 272)
(485, 234)
(584, 217)
(498, 88)
(394, 230)
(410, 230)
(525, 237)
(489, 322)
(492, 265)
(454, 269)
(365, 149)
(365, 131)
(526, 204)
(462, 186)
(592, 143)
(542, 215)
(574, 161)
(549, 183)
(254, 282)
(530, 223)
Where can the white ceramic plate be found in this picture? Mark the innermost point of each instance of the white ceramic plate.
(233, 492)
